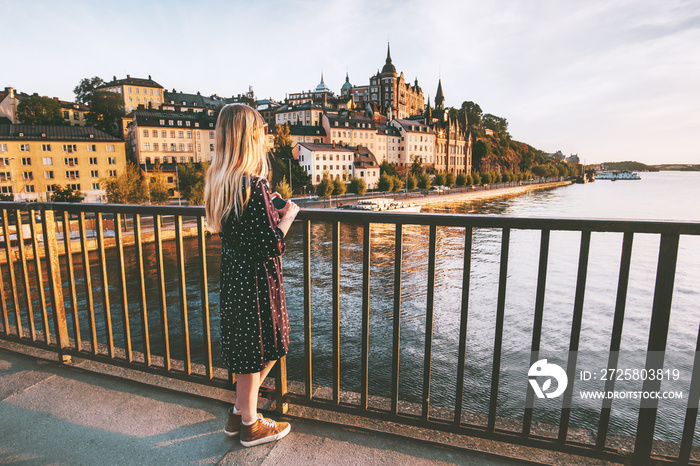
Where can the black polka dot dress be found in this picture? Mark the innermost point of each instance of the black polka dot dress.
(254, 323)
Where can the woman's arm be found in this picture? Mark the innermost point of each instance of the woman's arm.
(288, 215)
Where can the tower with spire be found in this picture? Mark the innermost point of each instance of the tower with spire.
(388, 90)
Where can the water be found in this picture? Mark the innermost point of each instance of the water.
(665, 195)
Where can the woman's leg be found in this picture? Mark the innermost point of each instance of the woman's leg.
(265, 371)
(247, 386)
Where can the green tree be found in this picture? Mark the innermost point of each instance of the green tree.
(191, 181)
(324, 189)
(424, 181)
(473, 114)
(157, 187)
(358, 186)
(495, 123)
(38, 110)
(439, 179)
(480, 151)
(385, 183)
(396, 184)
(66, 194)
(126, 188)
(539, 171)
(449, 179)
(461, 180)
(416, 166)
(283, 161)
(339, 188)
(106, 112)
(477, 178)
(469, 179)
(283, 189)
(388, 168)
(411, 182)
(84, 90)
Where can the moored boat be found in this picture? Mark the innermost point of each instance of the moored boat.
(382, 204)
(617, 175)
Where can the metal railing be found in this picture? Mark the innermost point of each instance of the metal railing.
(37, 237)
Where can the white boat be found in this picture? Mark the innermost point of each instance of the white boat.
(382, 204)
(617, 175)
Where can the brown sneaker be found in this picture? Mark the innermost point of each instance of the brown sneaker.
(233, 426)
(263, 431)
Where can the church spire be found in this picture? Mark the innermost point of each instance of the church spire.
(439, 98)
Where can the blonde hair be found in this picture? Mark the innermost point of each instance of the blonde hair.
(239, 155)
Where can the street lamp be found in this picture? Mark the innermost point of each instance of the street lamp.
(177, 180)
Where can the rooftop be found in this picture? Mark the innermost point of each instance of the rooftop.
(54, 133)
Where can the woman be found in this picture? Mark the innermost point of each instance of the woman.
(254, 324)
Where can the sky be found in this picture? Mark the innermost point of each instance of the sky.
(608, 80)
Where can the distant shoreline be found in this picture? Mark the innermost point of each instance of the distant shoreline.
(487, 193)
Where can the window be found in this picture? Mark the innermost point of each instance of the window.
(181, 134)
(94, 174)
(110, 147)
(48, 161)
(128, 89)
(189, 147)
(50, 188)
(92, 148)
(112, 160)
(136, 90)
(182, 147)
(27, 175)
(48, 175)
(146, 146)
(171, 122)
(95, 185)
(182, 159)
(156, 146)
(6, 189)
(145, 133)
(163, 133)
(46, 147)
(211, 134)
(179, 122)
(211, 147)
(66, 115)
(72, 174)
(3, 147)
(162, 122)
(93, 160)
(24, 147)
(172, 133)
(172, 147)
(112, 173)
(5, 176)
(29, 188)
(71, 161)
(187, 123)
(26, 161)
(75, 187)
(189, 134)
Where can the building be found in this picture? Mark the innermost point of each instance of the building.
(8, 106)
(392, 94)
(171, 137)
(182, 102)
(311, 134)
(135, 92)
(319, 93)
(389, 144)
(320, 160)
(453, 144)
(349, 129)
(35, 158)
(417, 140)
(267, 108)
(307, 114)
(365, 166)
(73, 113)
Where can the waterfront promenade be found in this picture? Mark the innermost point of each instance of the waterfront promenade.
(90, 413)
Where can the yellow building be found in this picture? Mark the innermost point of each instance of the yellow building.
(135, 92)
(171, 137)
(34, 159)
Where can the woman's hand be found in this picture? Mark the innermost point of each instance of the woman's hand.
(288, 214)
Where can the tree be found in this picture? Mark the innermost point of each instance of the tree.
(324, 189)
(480, 151)
(157, 187)
(469, 179)
(191, 181)
(339, 188)
(416, 166)
(66, 194)
(411, 182)
(424, 181)
(461, 179)
(358, 186)
(495, 123)
(476, 178)
(439, 179)
(396, 184)
(38, 110)
(126, 188)
(283, 189)
(388, 168)
(283, 161)
(84, 90)
(473, 114)
(449, 179)
(106, 112)
(385, 183)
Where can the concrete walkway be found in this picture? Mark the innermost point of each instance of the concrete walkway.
(58, 414)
